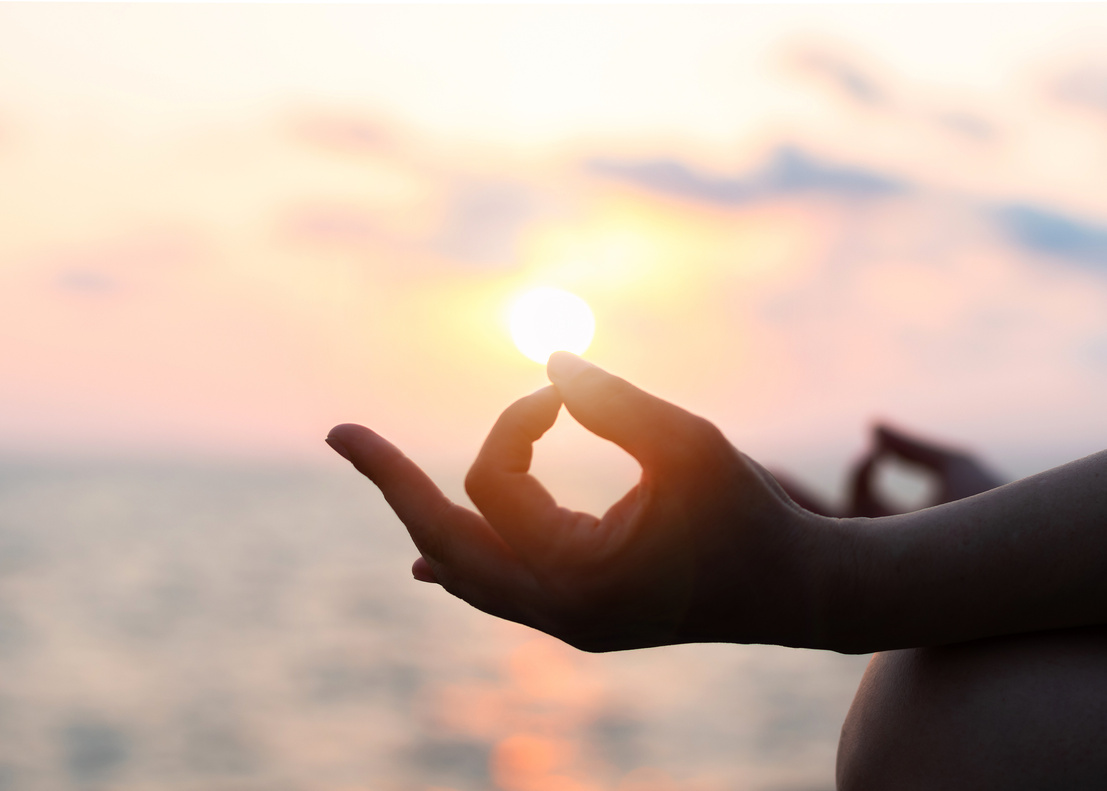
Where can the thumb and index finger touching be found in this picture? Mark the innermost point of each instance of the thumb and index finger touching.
(924, 453)
(890, 443)
(614, 409)
(512, 501)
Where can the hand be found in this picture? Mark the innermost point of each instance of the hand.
(706, 547)
(958, 474)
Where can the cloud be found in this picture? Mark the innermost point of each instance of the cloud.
(846, 77)
(333, 225)
(1084, 87)
(342, 134)
(968, 125)
(107, 267)
(789, 171)
(860, 87)
(484, 220)
(87, 281)
(1054, 234)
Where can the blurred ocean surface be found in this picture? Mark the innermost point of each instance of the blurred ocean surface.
(190, 627)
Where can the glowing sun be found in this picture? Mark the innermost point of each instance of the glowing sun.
(548, 320)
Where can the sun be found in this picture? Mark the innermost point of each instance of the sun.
(546, 320)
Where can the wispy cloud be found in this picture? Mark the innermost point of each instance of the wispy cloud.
(1084, 87)
(844, 75)
(788, 171)
(112, 266)
(87, 281)
(1054, 233)
(967, 125)
(871, 86)
(484, 219)
(342, 133)
(1039, 230)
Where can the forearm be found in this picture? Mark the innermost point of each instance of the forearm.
(1028, 556)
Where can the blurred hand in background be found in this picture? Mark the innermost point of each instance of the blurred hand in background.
(955, 473)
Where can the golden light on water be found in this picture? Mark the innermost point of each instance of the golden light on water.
(546, 320)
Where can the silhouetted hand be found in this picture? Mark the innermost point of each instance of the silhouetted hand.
(706, 547)
(958, 473)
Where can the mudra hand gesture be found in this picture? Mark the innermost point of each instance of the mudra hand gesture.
(709, 547)
(706, 547)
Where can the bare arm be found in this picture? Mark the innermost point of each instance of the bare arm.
(1028, 556)
(708, 547)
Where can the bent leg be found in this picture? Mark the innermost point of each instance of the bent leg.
(1020, 712)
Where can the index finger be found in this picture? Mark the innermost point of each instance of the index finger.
(445, 533)
(913, 449)
(415, 498)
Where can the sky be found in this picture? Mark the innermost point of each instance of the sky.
(225, 228)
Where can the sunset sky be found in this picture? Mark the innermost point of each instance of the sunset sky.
(225, 228)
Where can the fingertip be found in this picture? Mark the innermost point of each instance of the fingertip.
(346, 434)
(884, 430)
(421, 571)
(548, 395)
(339, 448)
(370, 453)
(345, 437)
(537, 411)
(563, 367)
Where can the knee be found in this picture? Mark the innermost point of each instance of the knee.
(1024, 712)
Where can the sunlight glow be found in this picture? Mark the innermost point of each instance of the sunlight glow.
(546, 320)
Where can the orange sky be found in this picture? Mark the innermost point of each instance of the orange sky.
(225, 228)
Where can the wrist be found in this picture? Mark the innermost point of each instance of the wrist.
(842, 572)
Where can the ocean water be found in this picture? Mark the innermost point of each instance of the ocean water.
(186, 627)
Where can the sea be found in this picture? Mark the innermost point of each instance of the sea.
(186, 626)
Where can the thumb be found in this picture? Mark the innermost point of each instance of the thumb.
(651, 430)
